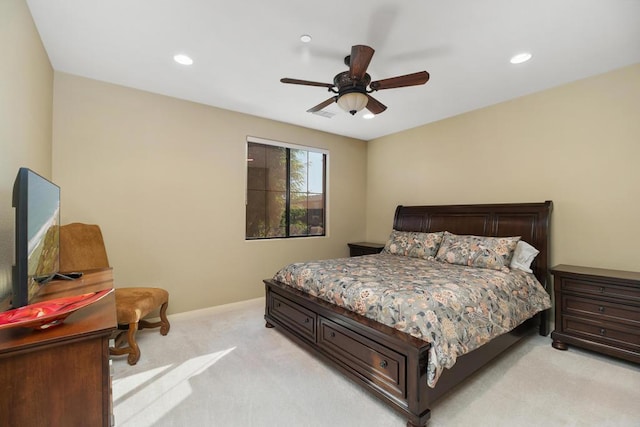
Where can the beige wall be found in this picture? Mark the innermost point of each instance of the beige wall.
(26, 99)
(165, 180)
(577, 145)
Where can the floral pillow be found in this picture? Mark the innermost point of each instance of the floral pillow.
(413, 244)
(477, 251)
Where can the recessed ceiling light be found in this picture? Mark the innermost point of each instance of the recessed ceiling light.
(183, 59)
(368, 116)
(520, 58)
(305, 38)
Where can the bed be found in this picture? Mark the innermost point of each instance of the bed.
(396, 363)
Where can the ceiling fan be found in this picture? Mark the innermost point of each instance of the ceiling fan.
(354, 86)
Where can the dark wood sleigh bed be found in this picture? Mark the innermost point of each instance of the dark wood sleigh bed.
(388, 362)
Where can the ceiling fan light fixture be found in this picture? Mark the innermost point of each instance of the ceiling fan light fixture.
(352, 102)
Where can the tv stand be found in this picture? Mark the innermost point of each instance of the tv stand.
(61, 376)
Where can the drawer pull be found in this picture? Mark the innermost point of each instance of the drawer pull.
(306, 320)
(601, 289)
(278, 304)
(384, 364)
(603, 331)
(332, 334)
(601, 309)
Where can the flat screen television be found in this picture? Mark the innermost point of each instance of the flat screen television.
(37, 235)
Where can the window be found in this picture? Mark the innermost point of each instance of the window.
(286, 190)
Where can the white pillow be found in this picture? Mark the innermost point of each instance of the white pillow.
(523, 256)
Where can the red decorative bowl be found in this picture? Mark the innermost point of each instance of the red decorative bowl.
(45, 314)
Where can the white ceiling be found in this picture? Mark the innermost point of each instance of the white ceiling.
(242, 48)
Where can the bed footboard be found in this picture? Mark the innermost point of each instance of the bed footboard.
(390, 364)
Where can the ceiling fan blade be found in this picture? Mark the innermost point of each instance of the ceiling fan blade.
(305, 82)
(360, 58)
(375, 106)
(414, 79)
(322, 105)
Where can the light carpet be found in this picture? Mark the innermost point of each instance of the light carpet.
(221, 367)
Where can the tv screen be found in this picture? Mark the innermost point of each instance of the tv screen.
(37, 203)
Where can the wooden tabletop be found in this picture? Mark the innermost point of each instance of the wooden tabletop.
(95, 319)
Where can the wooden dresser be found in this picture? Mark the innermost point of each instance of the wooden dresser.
(61, 376)
(597, 309)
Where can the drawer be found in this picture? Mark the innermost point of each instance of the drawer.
(605, 310)
(614, 334)
(569, 284)
(299, 318)
(371, 361)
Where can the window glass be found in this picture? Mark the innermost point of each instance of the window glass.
(285, 191)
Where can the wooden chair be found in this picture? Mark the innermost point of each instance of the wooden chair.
(81, 249)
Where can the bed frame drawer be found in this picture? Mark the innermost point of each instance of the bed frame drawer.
(300, 319)
(381, 366)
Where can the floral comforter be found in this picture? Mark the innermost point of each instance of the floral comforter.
(455, 308)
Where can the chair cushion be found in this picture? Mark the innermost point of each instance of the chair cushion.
(132, 304)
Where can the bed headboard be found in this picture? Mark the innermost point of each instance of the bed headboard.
(528, 220)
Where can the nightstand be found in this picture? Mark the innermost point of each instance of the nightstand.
(597, 309)
(365, 248)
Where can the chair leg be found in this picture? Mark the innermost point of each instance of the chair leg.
(134, 352)
(163, 323)
(132, 349)
(164, 329)
(120, 338)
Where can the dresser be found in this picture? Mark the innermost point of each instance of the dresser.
(597, 309)
(365, 248)
(61, 376)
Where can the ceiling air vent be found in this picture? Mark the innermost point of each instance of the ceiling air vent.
(323, 113)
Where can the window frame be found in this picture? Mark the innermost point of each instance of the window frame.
(288, 146)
